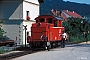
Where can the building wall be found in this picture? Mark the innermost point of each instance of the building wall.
(17, 9)
(32, 8)
(11, 10)
(14, 15)
(13, 30)
(29, 24)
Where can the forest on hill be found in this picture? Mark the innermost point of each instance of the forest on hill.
(82, 9)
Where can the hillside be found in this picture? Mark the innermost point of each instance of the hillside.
(82, 9)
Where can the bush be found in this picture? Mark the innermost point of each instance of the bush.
(76, 29)
(3, 50)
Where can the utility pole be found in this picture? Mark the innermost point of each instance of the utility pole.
(25, 28)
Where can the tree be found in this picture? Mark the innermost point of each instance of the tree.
(75, 27)
(1, 30)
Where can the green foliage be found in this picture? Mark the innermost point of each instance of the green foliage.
(3, 50)
(89, 36)
(76, 27)
(1, 30)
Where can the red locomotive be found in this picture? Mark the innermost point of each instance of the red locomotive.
(46, 32)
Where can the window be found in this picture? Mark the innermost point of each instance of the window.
(55, 23)
(42, 19)
(27, 13)
(49, 20)
(36, 21)
(27, 16)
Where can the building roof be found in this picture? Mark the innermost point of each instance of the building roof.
(65, 14)
(72, 14)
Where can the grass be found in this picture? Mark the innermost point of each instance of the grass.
(78, 38)
(3, 50)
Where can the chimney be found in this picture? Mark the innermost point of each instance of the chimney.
(67, 10)
(73, 11)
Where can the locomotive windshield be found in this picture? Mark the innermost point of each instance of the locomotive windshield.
(42, 20)
(49, 20)
(36, 21)
(55, 23)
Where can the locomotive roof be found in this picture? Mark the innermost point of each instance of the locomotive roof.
(58, 18)
(48, 16)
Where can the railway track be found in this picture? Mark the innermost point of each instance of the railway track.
(22, 52)
(13, 55)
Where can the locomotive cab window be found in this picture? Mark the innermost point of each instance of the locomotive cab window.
(36, 21)
(42, 20)
(55, 23)
(49, 20)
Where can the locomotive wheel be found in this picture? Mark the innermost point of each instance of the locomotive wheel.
(63, 44)
(59, 43)
(45, 47)
(54, 45)
(31, 46)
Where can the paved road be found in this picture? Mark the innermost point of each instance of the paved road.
(70, 52)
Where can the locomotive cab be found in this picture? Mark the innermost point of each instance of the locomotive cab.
(46, 32)
(57, 22)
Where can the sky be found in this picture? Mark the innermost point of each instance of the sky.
(79, 1)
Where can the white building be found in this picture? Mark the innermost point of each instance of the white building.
(14, 14)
